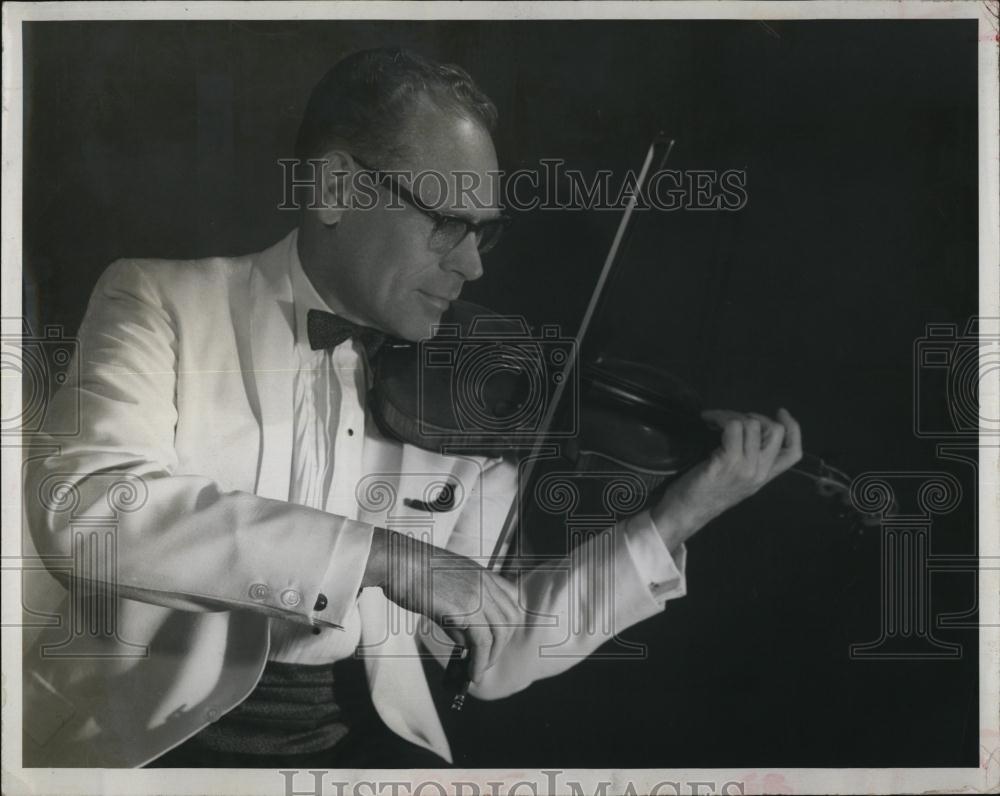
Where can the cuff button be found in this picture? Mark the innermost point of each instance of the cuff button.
(259, 592)
(291, 598)
(321, 603)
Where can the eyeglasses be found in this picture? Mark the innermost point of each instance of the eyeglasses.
(448, 230)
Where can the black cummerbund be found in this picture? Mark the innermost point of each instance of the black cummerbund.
(293, 710)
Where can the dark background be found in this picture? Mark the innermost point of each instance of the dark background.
(859, 143)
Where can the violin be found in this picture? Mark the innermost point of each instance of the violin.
(633, 416)
(485, 385)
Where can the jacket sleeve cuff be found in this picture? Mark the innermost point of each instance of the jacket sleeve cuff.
(665, 574)
(341, 584)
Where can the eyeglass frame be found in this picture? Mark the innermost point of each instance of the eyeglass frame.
(501, 222)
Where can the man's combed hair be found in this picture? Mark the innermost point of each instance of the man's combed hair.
(362, 101)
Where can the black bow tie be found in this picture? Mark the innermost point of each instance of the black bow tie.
(327, 330)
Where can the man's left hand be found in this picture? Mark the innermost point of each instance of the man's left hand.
(754, 450)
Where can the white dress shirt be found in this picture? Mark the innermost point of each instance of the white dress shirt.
(327, 463)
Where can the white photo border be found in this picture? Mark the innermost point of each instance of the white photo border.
(983, 779)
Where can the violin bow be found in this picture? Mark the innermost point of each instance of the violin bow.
(656, 155)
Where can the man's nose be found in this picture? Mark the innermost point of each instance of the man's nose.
(464, 259)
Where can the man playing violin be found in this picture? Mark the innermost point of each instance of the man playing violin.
(273, 533)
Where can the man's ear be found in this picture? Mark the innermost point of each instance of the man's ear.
(335, 187)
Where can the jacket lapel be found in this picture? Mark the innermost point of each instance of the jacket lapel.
(396, 677)
(399, 689)
(272, 347)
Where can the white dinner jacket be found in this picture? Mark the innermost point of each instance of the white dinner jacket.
(169, 510)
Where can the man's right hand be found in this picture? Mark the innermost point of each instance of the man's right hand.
(477, 608)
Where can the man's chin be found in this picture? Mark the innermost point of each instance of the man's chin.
(420, 325)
